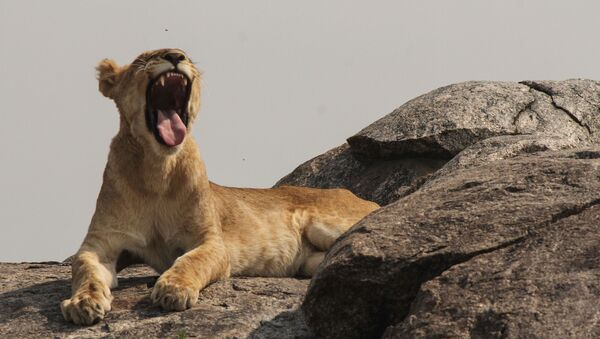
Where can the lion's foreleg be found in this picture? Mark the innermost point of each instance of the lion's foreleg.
(178, 288)
(93, 275)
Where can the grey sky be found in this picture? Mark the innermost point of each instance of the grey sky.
(284, 81)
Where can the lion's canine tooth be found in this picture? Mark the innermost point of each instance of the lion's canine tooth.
(162, 81)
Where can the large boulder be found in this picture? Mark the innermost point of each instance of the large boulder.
(376, 270)
(449, 119)
(515, 172)
(398, 153)
(546, 286)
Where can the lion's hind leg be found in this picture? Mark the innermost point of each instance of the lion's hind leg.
(321, 235)
(311, 263)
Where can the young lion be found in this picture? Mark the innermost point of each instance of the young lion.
(157, 206)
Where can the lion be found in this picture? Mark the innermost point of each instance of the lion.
(156, 205)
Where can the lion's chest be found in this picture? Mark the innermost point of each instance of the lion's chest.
(167, 233)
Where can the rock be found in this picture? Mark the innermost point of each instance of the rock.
(498, 191)
(445, 121)
(375, 271)
(398, 153)
(502, 147)
(382, 181)
(579, 99)
(546, 286)
(30, 294)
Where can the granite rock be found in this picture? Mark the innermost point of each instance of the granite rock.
(30, 294)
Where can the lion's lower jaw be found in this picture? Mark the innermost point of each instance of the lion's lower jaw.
(144, 140)
(168, 151)
(160, 151)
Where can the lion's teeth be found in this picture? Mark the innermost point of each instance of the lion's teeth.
(164, 76)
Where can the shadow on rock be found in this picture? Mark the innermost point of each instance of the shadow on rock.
(39, 300)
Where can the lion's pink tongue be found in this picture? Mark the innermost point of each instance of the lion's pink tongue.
(170, 127)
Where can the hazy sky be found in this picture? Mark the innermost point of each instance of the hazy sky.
(284, 81)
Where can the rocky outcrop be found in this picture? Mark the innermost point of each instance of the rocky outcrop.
(546, 286)
(238, 308)
(382, 180)
(500, 241)
(449, 119)
(396, 154)
(373, 274)
(489, 229)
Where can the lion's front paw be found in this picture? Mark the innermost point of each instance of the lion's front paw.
(85, 308)
(173, 294)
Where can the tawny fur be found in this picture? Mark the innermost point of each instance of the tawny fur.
(157, 206)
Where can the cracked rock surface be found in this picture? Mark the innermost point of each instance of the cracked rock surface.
(395, 155)
(445, 121)
(578, 98)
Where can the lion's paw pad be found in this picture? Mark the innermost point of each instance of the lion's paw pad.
(84, 309)
(172, 296)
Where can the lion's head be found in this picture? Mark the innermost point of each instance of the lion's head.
(158, 96)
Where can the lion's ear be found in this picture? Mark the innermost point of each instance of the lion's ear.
(108, 75)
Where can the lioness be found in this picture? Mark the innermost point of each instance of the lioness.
(157, 206)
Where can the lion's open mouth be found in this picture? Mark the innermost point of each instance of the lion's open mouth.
(166, 107)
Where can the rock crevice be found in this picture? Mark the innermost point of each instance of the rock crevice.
(548, 91)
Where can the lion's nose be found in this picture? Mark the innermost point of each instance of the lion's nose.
(174, 57)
